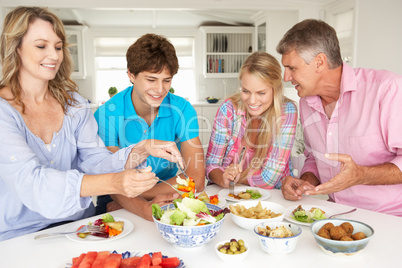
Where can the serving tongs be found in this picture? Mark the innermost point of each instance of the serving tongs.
(231, 183)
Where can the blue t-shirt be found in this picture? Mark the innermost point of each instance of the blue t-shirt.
(119, 125)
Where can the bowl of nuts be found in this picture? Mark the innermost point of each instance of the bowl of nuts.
(232, 250)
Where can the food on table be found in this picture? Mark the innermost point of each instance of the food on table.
(314, 214)
(348, 227)
(359, 236)
(337, 232)
(279, 232)
(233, 247)
(257, 212)
(112, 227)
(101, 259)
(187, 186)
(343, 232)
(213, 199)
(248, 194)
(188, 212)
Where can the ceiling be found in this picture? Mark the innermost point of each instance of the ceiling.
(156, 18)
(162, 13)
(187, 13)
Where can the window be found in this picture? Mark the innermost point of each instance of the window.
(111, 66)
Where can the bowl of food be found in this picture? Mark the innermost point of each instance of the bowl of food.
(341, 237)
(247, 214)
(188, 223)
(212, 99)
(278, 238)
(232, 250)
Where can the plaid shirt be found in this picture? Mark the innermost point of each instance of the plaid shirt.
(226, 142)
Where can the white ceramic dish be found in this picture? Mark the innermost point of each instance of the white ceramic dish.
(224, 193)
(231, 258)
(127, 254)
(222, 201)
(289, 213)
(275, 245)
(249, 224)
(128, 227)
(339, 248)
(188, 238)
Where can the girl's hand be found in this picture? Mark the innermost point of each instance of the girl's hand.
(231, 174)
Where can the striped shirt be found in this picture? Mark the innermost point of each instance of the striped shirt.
(226, 142)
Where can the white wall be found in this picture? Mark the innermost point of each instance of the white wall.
(379, 35)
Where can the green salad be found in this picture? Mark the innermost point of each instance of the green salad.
(188, 212)
(314, 214)
(255, 194)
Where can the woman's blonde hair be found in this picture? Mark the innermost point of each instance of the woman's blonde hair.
(16, 25)
(265, 67)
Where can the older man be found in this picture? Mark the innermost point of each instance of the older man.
(351, 122)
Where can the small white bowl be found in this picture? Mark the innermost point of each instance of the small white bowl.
(231, 258)
(249, 224)
(342, 248)
(275, 245)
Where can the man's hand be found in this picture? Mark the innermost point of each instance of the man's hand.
(161, 200)
(157, 148)
(351, 174)
(293, 188)
(164, 149)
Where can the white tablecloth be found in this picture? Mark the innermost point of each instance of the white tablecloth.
(384, 249)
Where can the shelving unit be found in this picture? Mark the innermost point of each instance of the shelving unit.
(225, 50)
(76, 46)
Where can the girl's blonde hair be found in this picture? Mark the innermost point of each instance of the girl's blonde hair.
(265, 67)
(16, 25)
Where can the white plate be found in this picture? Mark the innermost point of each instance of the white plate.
(221, 203)
(127, 254)
(289, 215)
(128, 227)
(224, 193)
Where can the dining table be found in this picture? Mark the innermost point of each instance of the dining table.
(383, 250)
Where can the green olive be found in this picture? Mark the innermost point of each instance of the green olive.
(241, 242)
(222, 250)
(82, 235)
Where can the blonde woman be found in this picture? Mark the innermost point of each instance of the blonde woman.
(259, 118)
(51, 159)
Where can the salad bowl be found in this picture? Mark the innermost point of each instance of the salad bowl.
(189, 237)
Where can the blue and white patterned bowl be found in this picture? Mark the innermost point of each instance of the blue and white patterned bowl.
(276, 245)
(342, 248)
(189, 237)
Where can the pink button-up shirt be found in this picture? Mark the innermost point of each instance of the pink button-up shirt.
(366, 124)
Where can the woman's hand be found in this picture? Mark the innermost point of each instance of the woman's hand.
(231, 173)
(133, 182)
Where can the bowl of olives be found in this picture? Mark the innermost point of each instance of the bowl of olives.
(212, 99)
(232, 250)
